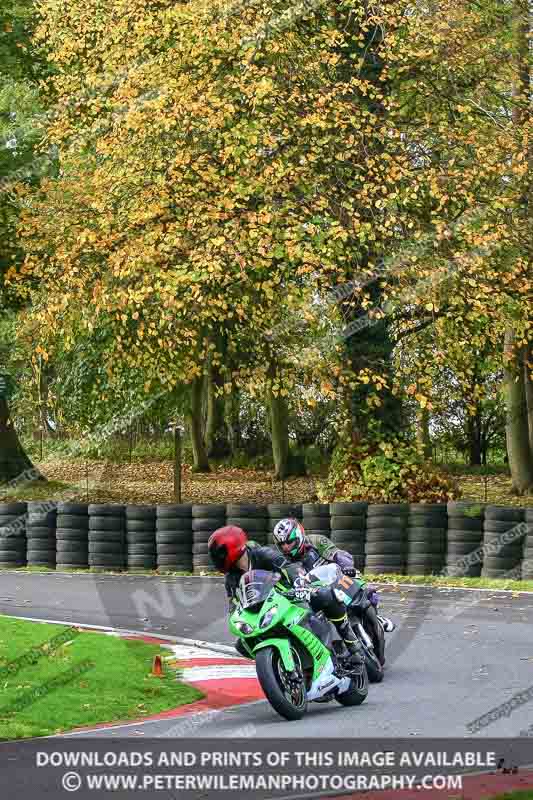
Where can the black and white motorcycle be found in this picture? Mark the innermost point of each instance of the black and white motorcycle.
(368, 625)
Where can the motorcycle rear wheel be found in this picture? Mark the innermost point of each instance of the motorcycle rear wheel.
(373, 667)
(357, 693)
(374, 628)
(273, 679)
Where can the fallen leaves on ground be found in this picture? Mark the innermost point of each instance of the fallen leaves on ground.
(152, 482)
(498, 490)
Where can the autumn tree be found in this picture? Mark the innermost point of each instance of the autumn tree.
(21, 66)
(219, 164)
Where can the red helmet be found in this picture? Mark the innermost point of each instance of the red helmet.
(225, 546)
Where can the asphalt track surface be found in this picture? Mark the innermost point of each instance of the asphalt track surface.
(456, 654)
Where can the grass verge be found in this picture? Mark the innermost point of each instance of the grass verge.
(461, 583)
(54, 678)
(422, 580)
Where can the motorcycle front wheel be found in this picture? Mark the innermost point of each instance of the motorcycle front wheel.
(289, 700)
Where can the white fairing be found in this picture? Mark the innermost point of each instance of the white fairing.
(326, 682)
(328, 573)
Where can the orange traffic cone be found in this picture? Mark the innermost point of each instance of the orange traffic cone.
(157, 667)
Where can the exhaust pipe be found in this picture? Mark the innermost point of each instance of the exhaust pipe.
(364, 636)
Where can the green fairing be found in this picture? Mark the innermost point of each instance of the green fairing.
(289, 614)
(284, 647)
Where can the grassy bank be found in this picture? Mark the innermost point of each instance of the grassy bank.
(55, 678)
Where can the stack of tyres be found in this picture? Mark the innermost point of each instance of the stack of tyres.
(12, 534)
(41, 534)
(174, 538)
(107, 537)
(316, 518)
(426, 538)
(252, 519)
(464, 553)
(386, 538)
(527, 563)
(279, 511)
(348, 529)
(205, 520)
(140, 538)
(503, 535)
(72, 536)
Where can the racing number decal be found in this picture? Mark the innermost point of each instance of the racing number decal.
(345, 582)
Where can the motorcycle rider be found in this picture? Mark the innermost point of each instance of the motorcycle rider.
(232, 554)
(293, 543)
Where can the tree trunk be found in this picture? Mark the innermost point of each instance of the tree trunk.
(516, 428)
(177, 464)
(279, 431)
(528, 382)
(195, 419)
(14, 463)
(215, 435)
(370, 348)
(368, 342)
(516, 386)
(205, 403)
(422, 431)
(44, 395)
(474, 438)
(279, 422)
(231, 416)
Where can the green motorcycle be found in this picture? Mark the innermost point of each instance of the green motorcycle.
(294, 648)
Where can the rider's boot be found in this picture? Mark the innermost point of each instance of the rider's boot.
(352, 644)
(388, 624)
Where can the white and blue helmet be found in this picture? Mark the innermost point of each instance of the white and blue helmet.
(289, 535)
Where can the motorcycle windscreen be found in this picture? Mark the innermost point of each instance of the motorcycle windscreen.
(326, 573)
(255, 586)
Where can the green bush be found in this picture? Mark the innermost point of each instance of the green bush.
(385, 472)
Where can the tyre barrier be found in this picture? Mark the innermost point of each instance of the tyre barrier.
(348, 529)
(205, 520)
(107, 537)
(252, 519)
(315, 518)
(41, 534)
(527, 553)
(173, 536)
(279, 511)
(72, 536)
(426, 538)
(503, 536)
(141, 548)
(464, 550)
(467, 537)
(13, 535)
(386, 538)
